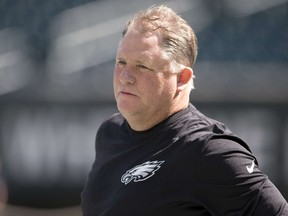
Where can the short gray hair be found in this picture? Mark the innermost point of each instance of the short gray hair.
(179, 39)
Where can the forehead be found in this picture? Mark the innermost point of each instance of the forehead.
(135, 45)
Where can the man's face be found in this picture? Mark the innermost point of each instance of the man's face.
(143, 85)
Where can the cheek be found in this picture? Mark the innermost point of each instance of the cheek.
(168, 82)
(169, 90)
(115, 75)
(163, 87)
(115, 81)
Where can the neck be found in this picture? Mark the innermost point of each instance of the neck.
(142, 123)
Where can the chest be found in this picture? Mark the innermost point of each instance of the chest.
(141, 181)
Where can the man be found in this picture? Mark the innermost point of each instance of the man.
(160, 155)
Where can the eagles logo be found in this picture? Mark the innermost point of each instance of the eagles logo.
(141, 172)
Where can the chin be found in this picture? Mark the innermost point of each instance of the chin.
(127, 109)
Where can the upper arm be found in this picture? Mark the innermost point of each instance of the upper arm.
(227, 187)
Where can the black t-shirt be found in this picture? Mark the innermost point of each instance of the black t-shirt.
(186, 165)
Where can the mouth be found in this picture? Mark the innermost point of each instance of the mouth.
(126, 93)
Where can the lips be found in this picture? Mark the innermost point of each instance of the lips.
(128, 93)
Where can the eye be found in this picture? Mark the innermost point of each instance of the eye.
(121, 64)
(144, 68)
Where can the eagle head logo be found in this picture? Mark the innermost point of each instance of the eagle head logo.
(141, 172)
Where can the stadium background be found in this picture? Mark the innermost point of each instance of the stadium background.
(56, 67)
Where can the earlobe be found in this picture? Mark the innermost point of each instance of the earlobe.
(184, 78)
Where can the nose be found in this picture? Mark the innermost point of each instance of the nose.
(126, 76)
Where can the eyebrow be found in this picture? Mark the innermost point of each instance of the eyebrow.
(143, 62)
(148, 63)
(119, 58)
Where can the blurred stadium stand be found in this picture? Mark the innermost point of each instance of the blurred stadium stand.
(56, 68)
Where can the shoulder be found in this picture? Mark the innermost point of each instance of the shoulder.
(194, 127)
(114, 121)
(226, 158)
(219, 144)
(109, 126)
(227, 172)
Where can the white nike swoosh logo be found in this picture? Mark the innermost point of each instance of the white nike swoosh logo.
(251, 168)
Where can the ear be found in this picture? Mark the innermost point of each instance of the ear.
(184, 78)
